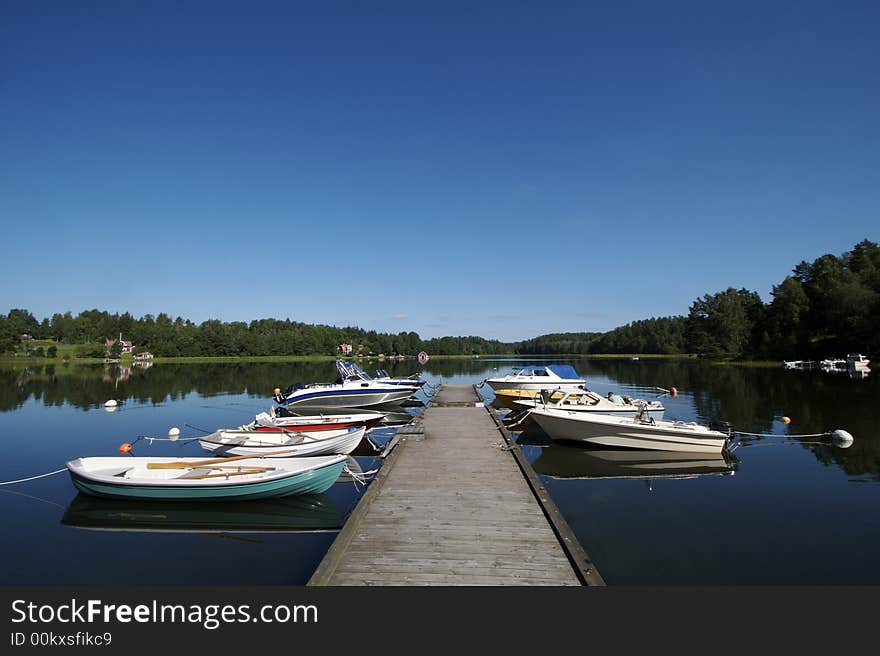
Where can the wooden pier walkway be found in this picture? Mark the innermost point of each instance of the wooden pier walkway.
(452, 506)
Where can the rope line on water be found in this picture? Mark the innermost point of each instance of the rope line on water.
(33, 478)
(738, 432)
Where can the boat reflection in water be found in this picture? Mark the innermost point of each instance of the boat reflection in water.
(395, 417)
(307, 512)
(574, 462)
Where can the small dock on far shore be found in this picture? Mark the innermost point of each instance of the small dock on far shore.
(455, 503)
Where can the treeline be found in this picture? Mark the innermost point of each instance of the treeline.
(163, 336)
(828, 307)
(573, 343)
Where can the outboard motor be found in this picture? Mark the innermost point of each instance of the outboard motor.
(721, 427)
(546, 395)
(282, 396)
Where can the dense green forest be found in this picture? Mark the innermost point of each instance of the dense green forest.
(828, 307)
(166, 337)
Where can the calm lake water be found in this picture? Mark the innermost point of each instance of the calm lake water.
(780, 511)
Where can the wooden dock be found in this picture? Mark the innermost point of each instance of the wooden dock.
(453, 505)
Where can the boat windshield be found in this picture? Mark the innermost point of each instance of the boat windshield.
(351, 371)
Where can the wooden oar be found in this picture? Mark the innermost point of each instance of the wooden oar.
(212, 461)
(239, 468)
(222, 475)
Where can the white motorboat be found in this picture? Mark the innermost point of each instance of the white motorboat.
(639, 432)
(292, 445)
(857, 361)
(585, 400)
(353, 389)
(554, 376)
(383, 376)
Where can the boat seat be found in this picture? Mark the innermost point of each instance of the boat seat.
(195, 473)
(114, 471)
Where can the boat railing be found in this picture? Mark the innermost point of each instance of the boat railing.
(642, 415)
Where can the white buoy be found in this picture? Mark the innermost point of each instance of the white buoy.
(110, 408)
(173, 433)
(110, 404)
(842, 439)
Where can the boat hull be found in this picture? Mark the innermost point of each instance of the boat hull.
(349, 398)
(626, 434)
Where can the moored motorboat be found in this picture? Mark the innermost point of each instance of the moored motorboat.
(196, 479)
(639, 432)
(554, 376)
(295, 444)
(413, 379)
(353, 389)
(585, 400)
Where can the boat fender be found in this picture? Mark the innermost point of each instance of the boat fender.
(842, 439)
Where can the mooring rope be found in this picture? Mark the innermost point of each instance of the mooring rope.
(359, 477)
(150, 439)
(738, 432)
(33, 478)
(206, 432)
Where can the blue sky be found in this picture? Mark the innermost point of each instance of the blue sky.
(501, 169)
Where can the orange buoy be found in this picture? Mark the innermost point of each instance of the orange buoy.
(125, 447)
(674, 392)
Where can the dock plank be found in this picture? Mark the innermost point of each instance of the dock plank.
(450, 506)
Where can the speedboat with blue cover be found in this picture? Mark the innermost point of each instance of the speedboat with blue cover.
(553, 376)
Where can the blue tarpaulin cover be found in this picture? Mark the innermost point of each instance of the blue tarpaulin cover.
(564, 371)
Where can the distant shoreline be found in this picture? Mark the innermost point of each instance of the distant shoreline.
(331, 358)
